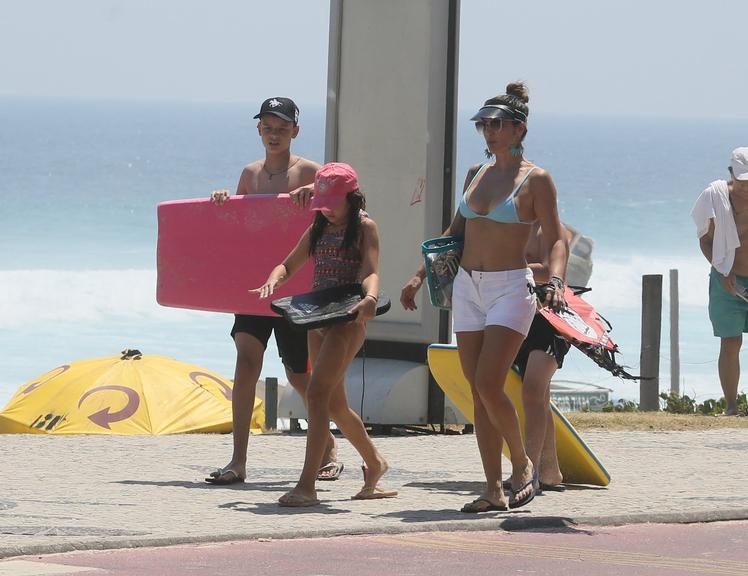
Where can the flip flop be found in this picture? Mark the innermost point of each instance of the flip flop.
(482, 505)
(539, 486)
(373, 493)
(293, 500)
(533, 484)
(539, 489)
(224, 477)
(330, 471)
(552, 487)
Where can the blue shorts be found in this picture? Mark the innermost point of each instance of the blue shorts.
(728, 313)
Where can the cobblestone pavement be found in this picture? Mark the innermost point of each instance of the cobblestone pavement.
(64, 493)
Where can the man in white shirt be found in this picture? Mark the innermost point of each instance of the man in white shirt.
(721, 216)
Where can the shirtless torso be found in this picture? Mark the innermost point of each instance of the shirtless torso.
(256, 178)
(739, 200)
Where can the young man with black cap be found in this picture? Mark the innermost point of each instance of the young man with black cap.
(721, 217)
(278, 172)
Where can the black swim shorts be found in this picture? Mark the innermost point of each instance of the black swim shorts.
(542, 336)
(292, 345)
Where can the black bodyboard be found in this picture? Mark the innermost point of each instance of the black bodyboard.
(324, 307)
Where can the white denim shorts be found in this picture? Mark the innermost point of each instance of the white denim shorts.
(501, 298)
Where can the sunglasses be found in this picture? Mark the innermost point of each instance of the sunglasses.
(495, 124)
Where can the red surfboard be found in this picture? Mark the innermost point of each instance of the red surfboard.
(579, 322)
(586, 330)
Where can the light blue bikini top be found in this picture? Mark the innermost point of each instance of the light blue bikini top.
(505, 212)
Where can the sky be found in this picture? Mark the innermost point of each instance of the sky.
(640, 57)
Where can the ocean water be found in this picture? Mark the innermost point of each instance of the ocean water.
(81, 179)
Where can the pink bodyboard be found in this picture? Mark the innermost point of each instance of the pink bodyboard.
(208, 256)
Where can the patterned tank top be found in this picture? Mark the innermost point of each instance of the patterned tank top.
(333, 267)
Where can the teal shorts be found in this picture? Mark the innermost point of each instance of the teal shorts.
(728, 313)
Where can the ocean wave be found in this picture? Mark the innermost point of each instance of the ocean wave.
(28, 296)
(90, 295)
(617, 283)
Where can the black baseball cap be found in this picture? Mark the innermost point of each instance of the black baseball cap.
(284, 108)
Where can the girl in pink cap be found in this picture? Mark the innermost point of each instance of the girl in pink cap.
(344, 243)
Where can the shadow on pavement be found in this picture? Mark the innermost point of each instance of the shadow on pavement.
(547, 524)
(273, 509)
(450, 487)
(259, 486)
(467, 488)
(519, 520)
(430, 515)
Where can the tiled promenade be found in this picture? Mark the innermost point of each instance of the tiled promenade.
(65, 493)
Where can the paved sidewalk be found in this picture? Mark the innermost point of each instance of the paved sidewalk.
(65, 493)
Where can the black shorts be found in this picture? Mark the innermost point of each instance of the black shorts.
(542, 336)
(292, 345)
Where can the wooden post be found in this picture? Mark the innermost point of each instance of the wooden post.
(649, 386)
(435, 404)
(674, 335)
(271, 403)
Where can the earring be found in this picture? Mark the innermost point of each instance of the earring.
(488, 153)
(516, 150)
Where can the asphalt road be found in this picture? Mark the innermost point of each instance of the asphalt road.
(641, 549)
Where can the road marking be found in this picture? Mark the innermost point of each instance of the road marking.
(26, 568)
(461, 543)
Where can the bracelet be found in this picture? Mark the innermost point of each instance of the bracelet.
(557, 282)
(373, 297)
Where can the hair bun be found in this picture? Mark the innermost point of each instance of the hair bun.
(518, 89)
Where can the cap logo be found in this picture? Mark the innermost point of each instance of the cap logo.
(322, 185)
(274, 103)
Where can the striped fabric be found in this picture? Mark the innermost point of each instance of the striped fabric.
(331, 267)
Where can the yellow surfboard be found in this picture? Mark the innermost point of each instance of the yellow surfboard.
(578, 463)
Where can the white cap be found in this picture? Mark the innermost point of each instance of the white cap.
(739, 163)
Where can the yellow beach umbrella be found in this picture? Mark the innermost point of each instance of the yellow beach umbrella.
(131, 393)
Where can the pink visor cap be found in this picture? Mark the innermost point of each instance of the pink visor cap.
(332, 183)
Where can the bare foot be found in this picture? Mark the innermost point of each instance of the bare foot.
(371, 489)
(297, 499)
(553, 478)
(331, 452)
(373, 474)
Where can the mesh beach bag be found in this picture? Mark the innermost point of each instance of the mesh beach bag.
(442, 259)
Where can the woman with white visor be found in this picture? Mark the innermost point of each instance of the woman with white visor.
(493, 301)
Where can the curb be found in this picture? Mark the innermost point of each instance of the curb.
(506, 524)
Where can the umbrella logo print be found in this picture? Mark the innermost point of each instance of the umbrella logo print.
(225, 388)
(104, 417)
(53, 374)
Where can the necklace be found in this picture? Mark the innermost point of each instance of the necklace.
(271, 174)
